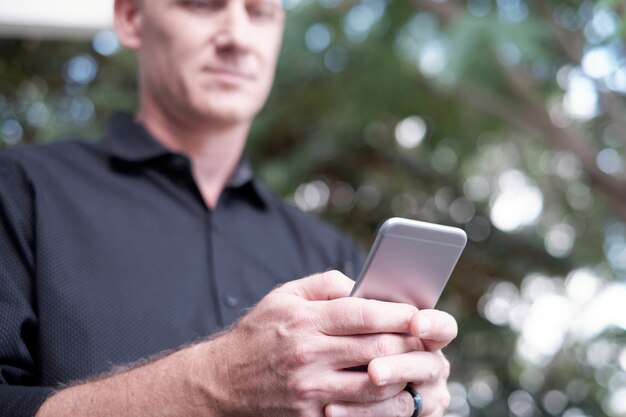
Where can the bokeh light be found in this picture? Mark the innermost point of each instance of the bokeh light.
(106, 43)
(433, 57)
(521, 404)
(361, 18)
(11, 132)
(318, 37)
(559, 240)
(81, 69)
(518, 202)
(610, 161)
(410, 132)
(581, 98)
(480, 8)
(483, 389)
(312, 196)
(512, 11)
(598, 62)
(336, 59)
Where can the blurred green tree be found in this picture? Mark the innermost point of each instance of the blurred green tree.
(506, 118)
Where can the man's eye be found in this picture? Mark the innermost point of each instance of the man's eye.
(264, 10)
(206, 4)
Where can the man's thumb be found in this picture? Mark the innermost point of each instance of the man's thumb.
(326, 286)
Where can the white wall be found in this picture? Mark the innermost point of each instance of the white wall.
(54, 19)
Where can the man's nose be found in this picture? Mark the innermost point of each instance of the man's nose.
(234, 30)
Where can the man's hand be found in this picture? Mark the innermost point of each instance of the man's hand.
(291, 354)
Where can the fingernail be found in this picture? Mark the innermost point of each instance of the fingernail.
(383, 372)
(338, 411)
(425, 324)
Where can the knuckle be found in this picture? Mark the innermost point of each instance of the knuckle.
(300, 355)
(445, 400)
(330, 278)
(336, 309)
(378, 393)
(446, 368)
(283, 331)
(361, 314)
(326, 278)
(368, 319)
(299, 318)
(439, 404)
(302, 389)
(434, 372)
(404, 404)
(414, 344)
(333, 275)
(381, 347)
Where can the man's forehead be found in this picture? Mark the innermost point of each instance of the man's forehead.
(140, 4)
(281, 3)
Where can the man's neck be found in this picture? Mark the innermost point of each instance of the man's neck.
(214, 149)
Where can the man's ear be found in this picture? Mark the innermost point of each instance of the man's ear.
(128, 15)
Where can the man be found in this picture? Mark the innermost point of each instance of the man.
(120, 258)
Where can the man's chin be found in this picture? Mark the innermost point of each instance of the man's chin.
(222, 116)
(226, 112)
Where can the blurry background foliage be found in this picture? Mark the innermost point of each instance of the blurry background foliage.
(506, 118)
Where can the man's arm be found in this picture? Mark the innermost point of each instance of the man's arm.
(288, 356)
(18, 319)
(159, 388)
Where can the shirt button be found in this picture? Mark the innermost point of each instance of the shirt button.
(231, 300)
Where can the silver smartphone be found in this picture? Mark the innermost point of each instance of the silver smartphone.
(410, 262)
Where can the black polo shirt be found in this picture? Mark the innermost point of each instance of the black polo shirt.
(109, 255)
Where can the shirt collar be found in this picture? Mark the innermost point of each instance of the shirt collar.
(127, 140)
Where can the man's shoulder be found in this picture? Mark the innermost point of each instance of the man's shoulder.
(64, 149)
(49, 160)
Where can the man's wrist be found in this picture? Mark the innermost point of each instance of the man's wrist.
(204, 376)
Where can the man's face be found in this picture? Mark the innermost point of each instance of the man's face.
(208, 60)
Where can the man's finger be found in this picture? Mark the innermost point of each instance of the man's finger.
(434, 327)
(416, 367)
(399, 405)
(344, 352)
(355, 387)
(352, 315)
